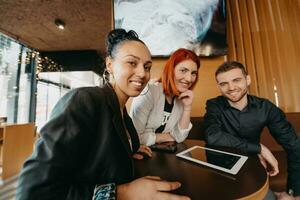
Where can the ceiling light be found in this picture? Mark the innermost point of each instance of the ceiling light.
(60, 24)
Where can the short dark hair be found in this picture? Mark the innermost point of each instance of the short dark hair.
(229, 65)
(118, 36)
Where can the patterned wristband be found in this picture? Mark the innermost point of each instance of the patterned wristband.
(291, 192)
(105, 192)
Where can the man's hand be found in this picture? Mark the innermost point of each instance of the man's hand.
(285, 196)
(143, 150)
(266, 157)
(149, 187)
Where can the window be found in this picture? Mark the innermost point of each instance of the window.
(51, 86)
(16, 64)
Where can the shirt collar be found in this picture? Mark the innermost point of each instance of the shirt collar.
(226, 105)
(251, 101)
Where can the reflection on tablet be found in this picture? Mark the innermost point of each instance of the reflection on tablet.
(225, 161)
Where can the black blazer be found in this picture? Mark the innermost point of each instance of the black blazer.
(84, 144)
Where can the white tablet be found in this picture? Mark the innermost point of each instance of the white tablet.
(221, 160)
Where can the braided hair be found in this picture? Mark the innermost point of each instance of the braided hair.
(117, 37)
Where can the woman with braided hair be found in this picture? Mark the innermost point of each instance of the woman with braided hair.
(86, 149)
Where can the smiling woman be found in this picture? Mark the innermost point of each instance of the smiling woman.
(130, 70)
(90, 135)
(162, 112)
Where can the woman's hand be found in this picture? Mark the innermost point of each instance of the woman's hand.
(187, 99)
(164, 137)
(149, 188)
(142, 150)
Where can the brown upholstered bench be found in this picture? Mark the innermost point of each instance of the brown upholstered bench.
(277, 183)
(197, 131)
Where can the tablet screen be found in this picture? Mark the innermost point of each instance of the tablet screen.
(221, 160)
(216, 158)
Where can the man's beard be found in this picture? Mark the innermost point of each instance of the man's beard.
(245, 91)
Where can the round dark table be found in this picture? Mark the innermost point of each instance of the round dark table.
(200, 182)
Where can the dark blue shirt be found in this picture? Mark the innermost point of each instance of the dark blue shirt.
(230, 127)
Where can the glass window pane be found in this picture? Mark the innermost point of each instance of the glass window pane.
(15, 82)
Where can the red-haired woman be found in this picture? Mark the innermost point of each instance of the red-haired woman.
(161, 113)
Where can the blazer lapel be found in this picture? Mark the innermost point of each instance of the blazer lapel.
(132, 131)
(117, 120)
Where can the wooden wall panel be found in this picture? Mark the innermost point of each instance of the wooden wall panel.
(257, 45)
(266, 38)
(230, 34)
(237, 30)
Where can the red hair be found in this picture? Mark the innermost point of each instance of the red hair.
(167, 77)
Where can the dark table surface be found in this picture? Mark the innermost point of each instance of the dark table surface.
(200, 182)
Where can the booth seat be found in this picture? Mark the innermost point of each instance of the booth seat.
(16, 144)
(277, 183)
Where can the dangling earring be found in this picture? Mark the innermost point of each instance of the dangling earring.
(108, 77)
(112, 79)
(105, 76)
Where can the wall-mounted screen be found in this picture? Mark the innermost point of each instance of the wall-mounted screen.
(166, 25)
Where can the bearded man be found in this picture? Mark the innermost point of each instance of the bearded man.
(236, 119)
